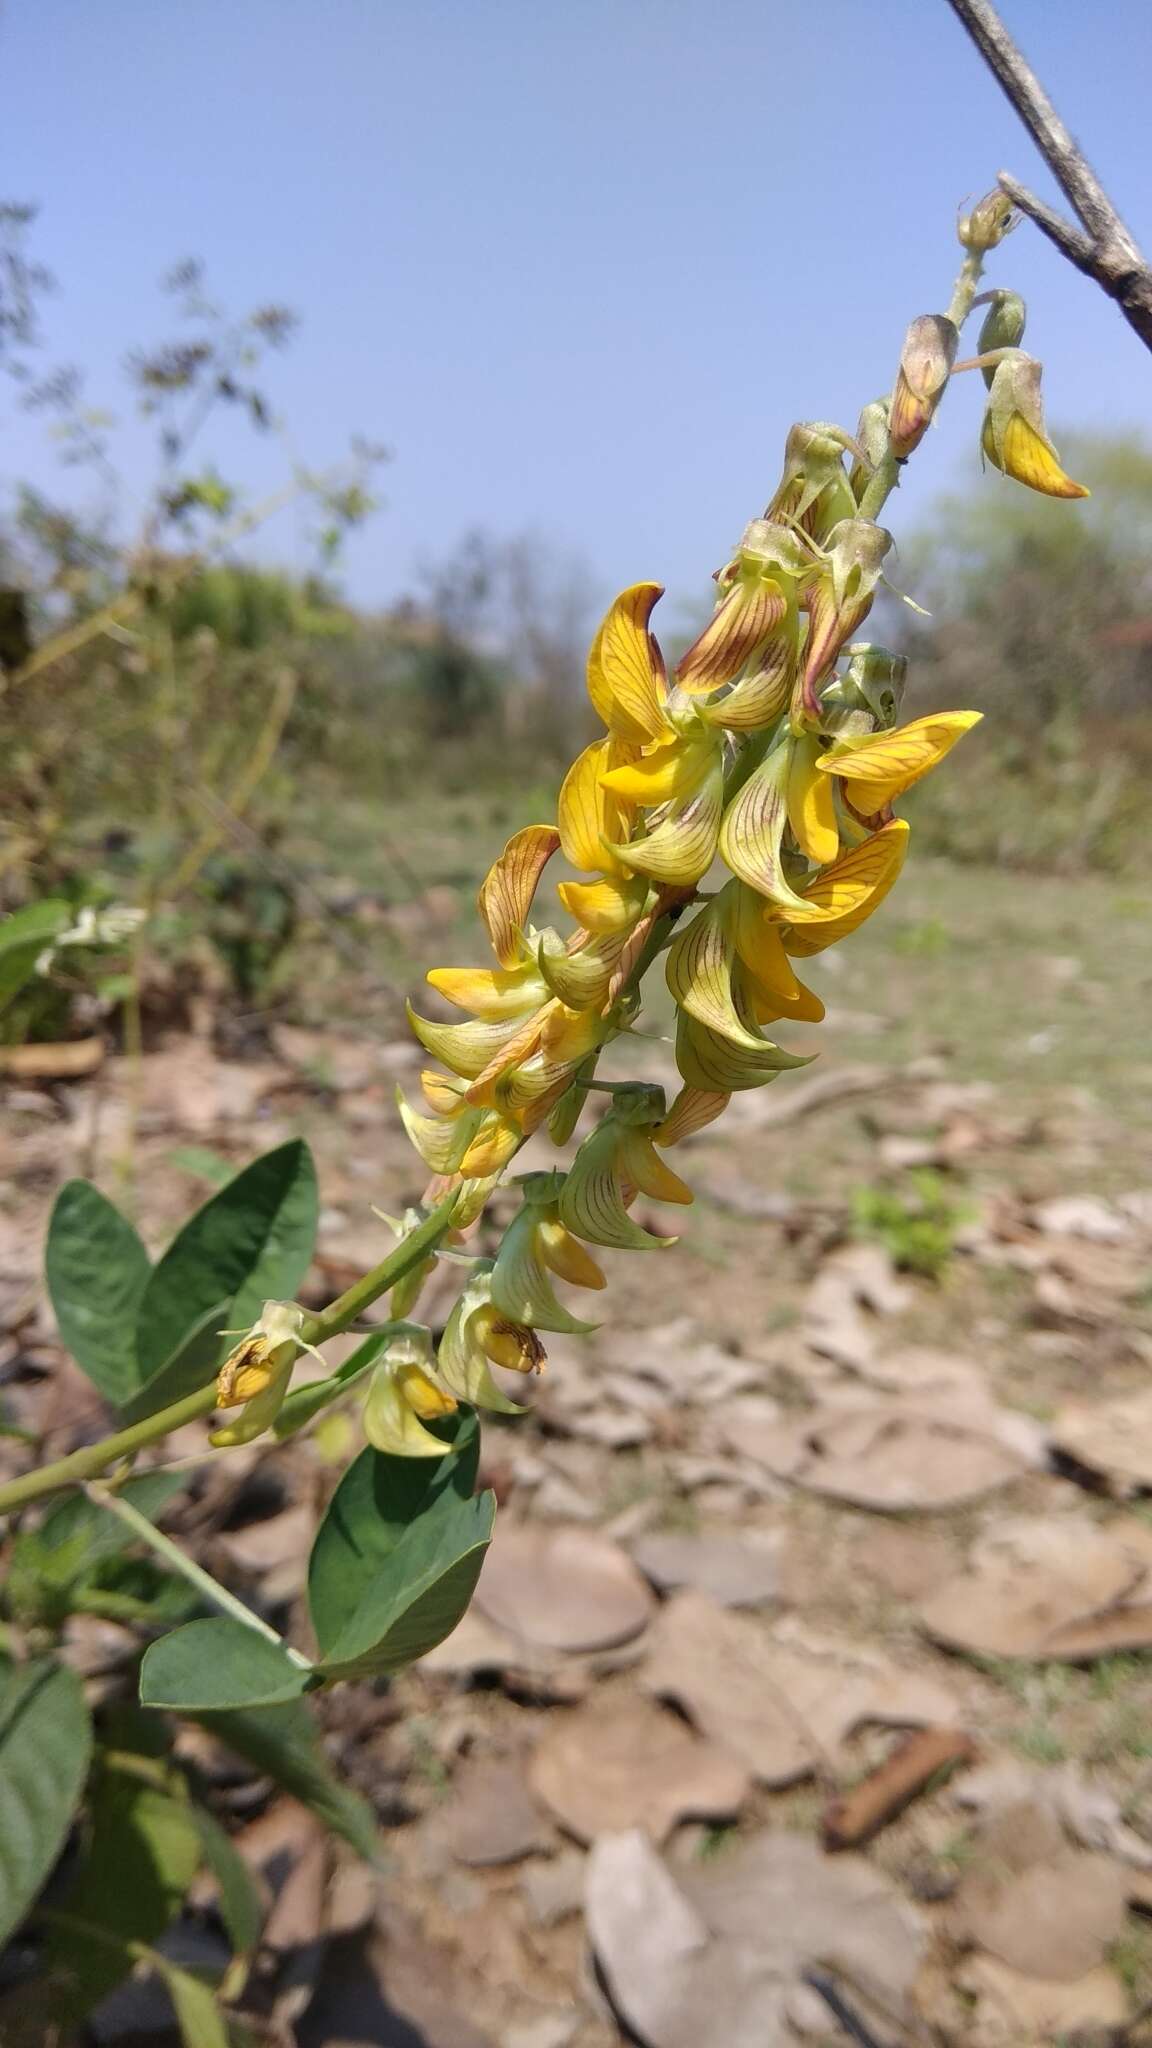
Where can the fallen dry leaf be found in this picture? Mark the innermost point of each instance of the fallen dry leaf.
(1082, 1216)
(735, 1571)
(1041, 1907)
(632, 1764)
(1013, 2011)
(1087, 1811)
(494, 1818)
(779, 1697)
(718, 1953)
(1040, 1588)
(1112, 1439)
(563, 1589)
(898, 1455)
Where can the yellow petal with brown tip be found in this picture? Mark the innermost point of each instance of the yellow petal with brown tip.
(877, 770)
(589, 813)
(506, 893)
(626, 679)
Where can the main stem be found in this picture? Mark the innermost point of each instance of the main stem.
(93, 1459)
(886, 475)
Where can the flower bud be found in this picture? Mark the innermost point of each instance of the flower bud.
(757, 606)
(989, 221)
(1003, 327)
(869, 690)
(840, 601)
(1014, 437)
(872, 441)
(926, 361)
(814, 491)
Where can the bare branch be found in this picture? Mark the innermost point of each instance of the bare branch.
(1072, 242)
(1107, 251)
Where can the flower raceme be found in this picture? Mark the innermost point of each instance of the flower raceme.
(773, 748)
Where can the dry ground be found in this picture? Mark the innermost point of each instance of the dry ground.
(899, 1500)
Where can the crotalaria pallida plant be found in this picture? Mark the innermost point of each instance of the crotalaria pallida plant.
(732, 820)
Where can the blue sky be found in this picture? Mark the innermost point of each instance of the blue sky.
(579, 267)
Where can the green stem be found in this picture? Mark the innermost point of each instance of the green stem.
(96, 1458)
(886, 475)
(205, 1584)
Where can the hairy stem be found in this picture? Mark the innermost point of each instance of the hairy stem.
(96, 1458)
(205, 1584)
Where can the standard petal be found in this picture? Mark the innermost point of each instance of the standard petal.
(506, 893)
(590, 815)
(626, 679)
(692, 1110)
(699, 974)
(747, 617)
(441, 1141)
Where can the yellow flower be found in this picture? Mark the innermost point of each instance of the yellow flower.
(536, 1242)
(478, 1336)
(256, 1372)
(1014, 437)
(404, 1395)
(614, 1164)
(874, 771)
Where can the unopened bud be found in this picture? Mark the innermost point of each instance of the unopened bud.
(758, 603)
(872, 441)
(1003, 326)
(814, 492)
(870, 687)
(926, 361)
(989, 221)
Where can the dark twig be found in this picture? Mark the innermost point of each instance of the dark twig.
(825, 1988)
(1103, 248)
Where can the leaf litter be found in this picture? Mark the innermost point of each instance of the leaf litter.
(856, 1400)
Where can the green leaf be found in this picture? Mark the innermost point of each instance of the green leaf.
(192, 1365)
(422, 1592)
(97, 1271)
(45, 1745)
(143, 1849)
(198, 2014)
(23, 937)
(284, 1744)
(375, 1502)
(250, 1243)
(240, 1903)
(75, 1543)
(219, 1663)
